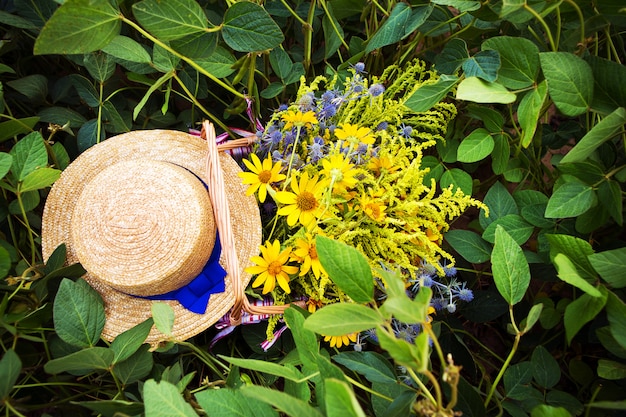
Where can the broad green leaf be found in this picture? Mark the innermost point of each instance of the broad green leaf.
(10, 368)
(501, 153)
(15, 21)
(452, 57)
(533, 316)
(570, 81)
(12, 128)
(40, 178)
(529, 197)
(172, 19)
(429, 94)
(85, 90)
(519, 59)
(28, 155)
(333, 32)
(407, 310)
(163, 315)
(285, 403)
(493, 119)
(460, 5)
(576, 249)
(609, 265)
(164, 60)
(571, 199)
(84, 361)
(248, 27)
(479, 91)
(544, 410)
(413, 355)
(500, 203)
(128, 342)
(484, 64)
(561, 399)
(197, 46)
(609, 343)
(354, 318)
(128, 49)
(401, 23)
(605, 130)
(34, 87)
(581, 311)
(529, 111)
(588, 171)
(88, 135)
(616, 313)
(373, 366)
(5, 262)
(346, 267)
(79, 27)
(61, 116)
(78, 313)
(340, 400)
(509, 266)
(611, 370)
(566, 271)
(281, 62)
(6, 160)
(305, 340)
(273, 89)
(113, 408)
(135, 367)
(457, 178)
(546, 370)
(517, 377)
(116, 122)
(610, 193)
(266, 367)
(163, 400)
(469, 245)
(226, 402)
(535, 215)
(476, 146)
(100, 66)
(518, 228)
(609, 78)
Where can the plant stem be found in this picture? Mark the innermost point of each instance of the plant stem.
(544, 24)
(423, 387)
(200, 106)
(308, 37)
(31, 239)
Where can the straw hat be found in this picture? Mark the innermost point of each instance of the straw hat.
(135, 211)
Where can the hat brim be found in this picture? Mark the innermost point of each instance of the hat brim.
(124, 311)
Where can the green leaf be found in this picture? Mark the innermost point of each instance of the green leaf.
(373, 366)
(500, 154)
(401, 23)
(34, 87)
(469, 245)
(79, 27)
(576, 249)
(16, 21)
(452, 57)
(128, 342)
(346, 267)
(611, 370)
(61, 116)
(519, 59)
(544, 410)
(354, 318)
(5, 262)
(533, 316)
(84, 361)
(616, 313)
(413, 355)
(78, 313)
(609, 78)
(581, 311)
(306, 340)
(227, 402)
(529, 111)
(163, 315)
(285, 403)
(510, 268)
(134, 368)
(571, 199)
(515, 226)
(6, 160)
(570, 81)
(429, 94)
(172, 19)
(476, 146)
(610, 193)
(248, 27)
(484, 64)
(340, 400)
(197, 46)
(40, 178)
(500, 203)
(609, 265)
(405, 309)
(163, 400)
(546, 370)
(85, 90)
(266, 367)
(157, 84)
(128, 49)
(457, 178)
(100, 66)
(113, 408)
(88, 135)
(333, 32)
(281, 62)
(219, 63)
(479, 91)
(516, 378)
(608, 128)
(16, 127)
(566, 271)
(10, 368)
(28, 155)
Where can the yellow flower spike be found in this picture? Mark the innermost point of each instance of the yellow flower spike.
(303, 204)
(298, 119)
(355, 134)
(340, 172)
(270, 267)
(261, 176)
(339, 341)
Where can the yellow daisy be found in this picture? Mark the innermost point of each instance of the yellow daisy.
(339, 341)
(298, 119)
(303, 204)
(262, 175)
(270, 267)
(429, 319)
(340, 171)
(373, 207)
(381, 164)
(355, 134)
(306, 254)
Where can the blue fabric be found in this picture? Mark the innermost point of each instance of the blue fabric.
(195, 295)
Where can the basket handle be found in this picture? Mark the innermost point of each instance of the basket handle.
(221, 213)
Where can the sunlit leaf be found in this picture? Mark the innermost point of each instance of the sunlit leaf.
(479, 91)
(510, 268)
(248, 27)
(172, 19)
(570, 81)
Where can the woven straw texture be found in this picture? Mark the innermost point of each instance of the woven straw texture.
(142, 186)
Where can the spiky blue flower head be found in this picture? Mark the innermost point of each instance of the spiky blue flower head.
(465, 294)
(450, 271)
(405, 131)
(382, 126)
(376, 89)
(359, 67)
(283, 107)
(327, 111)
(451, 307)
(307, 102)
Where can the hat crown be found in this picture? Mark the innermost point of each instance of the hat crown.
(144, 227)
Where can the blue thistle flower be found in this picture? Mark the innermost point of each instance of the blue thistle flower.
(376, 89)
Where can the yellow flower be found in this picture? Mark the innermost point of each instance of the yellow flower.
(339, 341)
(306, 254)
(379, 164)
(298, 119)
(303, 204)
(373, 207)
(313, 305)
(355, 134)
(271, 267)
(340, 171)
(262, 175)
(429, 319)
